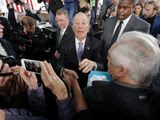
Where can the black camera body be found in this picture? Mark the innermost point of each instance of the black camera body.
(10, 60)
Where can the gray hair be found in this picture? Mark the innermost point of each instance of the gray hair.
(140, 54)
(80, 14)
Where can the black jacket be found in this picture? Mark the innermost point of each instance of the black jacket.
(111, 100)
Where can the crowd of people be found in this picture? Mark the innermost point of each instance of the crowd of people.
(128, 49)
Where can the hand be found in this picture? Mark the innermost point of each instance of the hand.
(70, 77)
(86, 65)
(29, 78)
(1, 30)
(15, 69)
(52, 81)
(4, 69)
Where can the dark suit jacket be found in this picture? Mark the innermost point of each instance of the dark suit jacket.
(111, 100)
(68, 58)
(69, 34)
(156, 26)
(134, 24)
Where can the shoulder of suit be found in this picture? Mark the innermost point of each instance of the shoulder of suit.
(111, 19)
(140, 21)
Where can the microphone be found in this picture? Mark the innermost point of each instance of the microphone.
(6, 74)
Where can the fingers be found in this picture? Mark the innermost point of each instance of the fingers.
(71, 72)
(86, 65)
(44, 72)
(5, 69)
(87, 68)
(29, 78)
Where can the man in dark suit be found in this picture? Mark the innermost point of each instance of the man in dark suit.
(64, 32)
(129, 22)
(81, 53)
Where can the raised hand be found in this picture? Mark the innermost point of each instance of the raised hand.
(52, 81)
(29, 78)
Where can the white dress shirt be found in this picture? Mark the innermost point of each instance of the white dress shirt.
(122, 27)
(77, 43)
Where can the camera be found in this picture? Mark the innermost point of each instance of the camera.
(10, 60)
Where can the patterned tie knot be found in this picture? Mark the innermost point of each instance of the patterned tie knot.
(80, 44)
(80, 50)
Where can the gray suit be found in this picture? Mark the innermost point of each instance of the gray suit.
(134, 24)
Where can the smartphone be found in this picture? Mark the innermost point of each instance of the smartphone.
(31, 65)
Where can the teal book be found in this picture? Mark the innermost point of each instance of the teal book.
(98, 76)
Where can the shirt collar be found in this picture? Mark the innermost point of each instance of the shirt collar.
(126, 20)
(77, 40)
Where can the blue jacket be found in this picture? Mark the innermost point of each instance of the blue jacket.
(156, 26)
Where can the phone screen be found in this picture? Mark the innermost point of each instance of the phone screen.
(31, 65)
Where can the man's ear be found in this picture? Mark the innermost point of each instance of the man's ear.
(121, 71)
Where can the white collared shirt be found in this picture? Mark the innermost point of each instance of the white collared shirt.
(122, 27)
(77, 43)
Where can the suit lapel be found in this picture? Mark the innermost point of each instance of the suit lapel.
(113, 22)
(129, 24)
(111, 28)
(87, 48)
(57, 41)
(73, 51)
